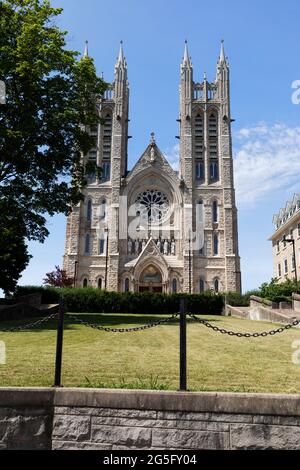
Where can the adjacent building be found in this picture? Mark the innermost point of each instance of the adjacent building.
(286, 241)
(153, 228)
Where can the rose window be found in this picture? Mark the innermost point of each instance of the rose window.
(152, 205)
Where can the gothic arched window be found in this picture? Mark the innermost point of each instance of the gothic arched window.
(87, 244)
(199, 147)
(106, 147)
(215, 211)
(103, 209)
(100, 283)
(213, 145)
(214, 171)
(85, 282)
(126, 285)
(89, 210)
(201, 285)
(216, 285)
(174, 286)
(101, 246)
(200, 225)
(216, 244)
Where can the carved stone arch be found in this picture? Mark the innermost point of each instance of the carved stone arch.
(213, 108)
(161, 179)
(107, 108)
(152, 261)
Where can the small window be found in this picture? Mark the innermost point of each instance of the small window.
(216, 245)
(101, 246)
(103, 209)
(286, 266)
(299, 230)
(85, 282)
(216, 286)
(214, 171)
(215, 211)
(279, 269)
(201, 285)
(89, 210)
(174, 286)
(87, 244)
(106, 171)
(278, 246)
(293, 264)
(199, 171)
(284, 242)
(126, 285)
(100, 283)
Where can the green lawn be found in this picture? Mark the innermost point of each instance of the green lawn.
(149, 359)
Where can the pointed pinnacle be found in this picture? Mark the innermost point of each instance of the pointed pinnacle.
(121, 59)
(222, 52)
(186, 57)
(86, 49)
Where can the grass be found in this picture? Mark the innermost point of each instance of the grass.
(149, 359)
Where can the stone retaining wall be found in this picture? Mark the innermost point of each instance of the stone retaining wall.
(114, 419)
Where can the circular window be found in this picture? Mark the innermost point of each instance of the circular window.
(152, 205)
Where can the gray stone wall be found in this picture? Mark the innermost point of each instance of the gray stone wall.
(122, 420)
(26, 418)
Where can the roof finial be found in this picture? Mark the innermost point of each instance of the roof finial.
(222, 53)
(204, 76)
(86, 49)
(152, 140)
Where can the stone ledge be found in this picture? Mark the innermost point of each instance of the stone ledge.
(26, 397)
(227, 403)
(235, 403)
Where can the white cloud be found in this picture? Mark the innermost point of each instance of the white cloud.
(172, 155)
(267, 158)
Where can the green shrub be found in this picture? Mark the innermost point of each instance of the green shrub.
(50, 295)
(92, 300)
(274, 291)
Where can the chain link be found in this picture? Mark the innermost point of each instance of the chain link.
(244, 335)
(28, 325)
(122, 330)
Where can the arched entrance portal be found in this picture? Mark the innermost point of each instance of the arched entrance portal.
(150, 280)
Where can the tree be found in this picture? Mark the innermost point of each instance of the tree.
(50, 101)
(58, 278)
(13, 251)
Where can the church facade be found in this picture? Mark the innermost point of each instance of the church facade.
(154, 228)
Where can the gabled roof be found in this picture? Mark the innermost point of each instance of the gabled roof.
(149, 250)
(152, 157)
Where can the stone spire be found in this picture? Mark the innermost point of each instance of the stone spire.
(186, 57)
(222, 58)
(86, 49)
(121, 59)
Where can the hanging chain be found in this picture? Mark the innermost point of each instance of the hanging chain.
(29, 325)
(244, 335)
(122, 330)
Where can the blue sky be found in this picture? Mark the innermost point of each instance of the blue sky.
(261, 42)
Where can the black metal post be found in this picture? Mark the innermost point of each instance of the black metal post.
(59, 343)
(106, 259)
(182, 342)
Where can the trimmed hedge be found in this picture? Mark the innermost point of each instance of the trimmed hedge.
(92, 300)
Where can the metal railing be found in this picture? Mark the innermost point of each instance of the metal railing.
(183, 314)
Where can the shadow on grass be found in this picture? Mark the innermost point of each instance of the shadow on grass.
(101, 319)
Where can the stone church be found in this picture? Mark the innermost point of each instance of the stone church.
(152, 228)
